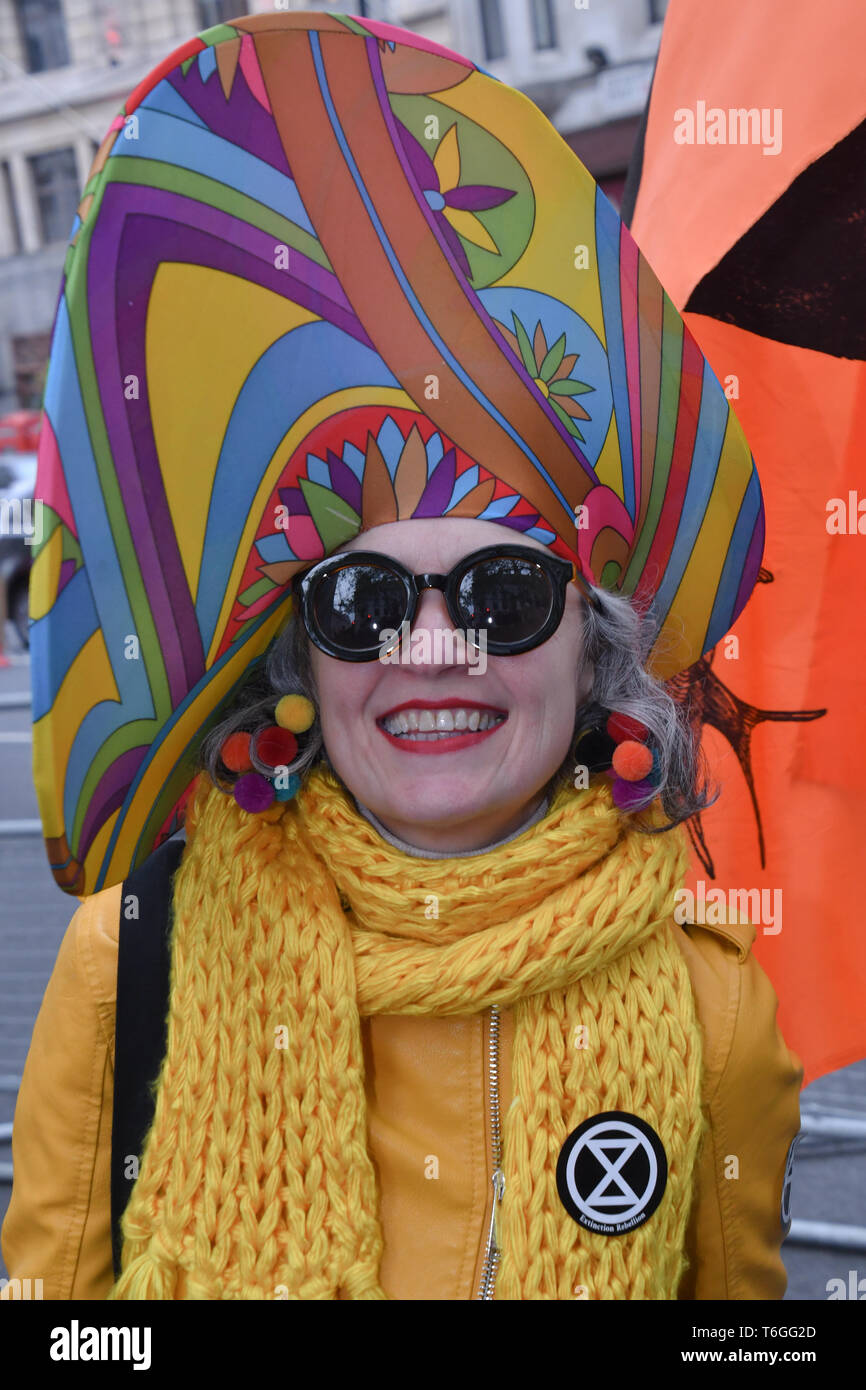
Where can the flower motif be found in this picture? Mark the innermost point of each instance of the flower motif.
(550, 369)
(393, 477)
(454, 205)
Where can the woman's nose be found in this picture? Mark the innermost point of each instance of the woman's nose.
(432, 616)
(432, 612)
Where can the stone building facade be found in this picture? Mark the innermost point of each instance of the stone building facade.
(66, 66)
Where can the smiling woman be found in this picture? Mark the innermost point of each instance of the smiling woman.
(410, 1014)
(501, 742)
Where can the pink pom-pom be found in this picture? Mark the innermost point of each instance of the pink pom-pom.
(253, 792)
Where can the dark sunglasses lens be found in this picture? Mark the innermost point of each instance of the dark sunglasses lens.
(508, 597)
(354, 604)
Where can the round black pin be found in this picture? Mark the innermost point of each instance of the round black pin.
(611, 1173)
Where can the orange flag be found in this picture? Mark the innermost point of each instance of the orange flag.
(751, 209)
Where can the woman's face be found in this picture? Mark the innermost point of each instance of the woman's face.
(468, 796)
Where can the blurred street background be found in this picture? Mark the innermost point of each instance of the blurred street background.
(65, 68)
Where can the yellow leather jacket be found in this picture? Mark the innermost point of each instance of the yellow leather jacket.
(429, 1106)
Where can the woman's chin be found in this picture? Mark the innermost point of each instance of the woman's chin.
(448, 814)
(438, 802)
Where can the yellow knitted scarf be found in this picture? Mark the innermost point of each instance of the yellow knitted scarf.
(256, 1181)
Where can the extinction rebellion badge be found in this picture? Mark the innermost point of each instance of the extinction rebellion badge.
(611, 1173)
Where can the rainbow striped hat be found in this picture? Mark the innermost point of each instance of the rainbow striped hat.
(325, 275)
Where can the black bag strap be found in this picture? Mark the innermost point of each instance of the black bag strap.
(140, 1030)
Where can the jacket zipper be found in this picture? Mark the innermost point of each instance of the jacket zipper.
(491, 1259)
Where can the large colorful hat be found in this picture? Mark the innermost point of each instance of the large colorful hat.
(325, 275)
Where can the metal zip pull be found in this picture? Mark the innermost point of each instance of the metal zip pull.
(491, 1260)
(498, 1194)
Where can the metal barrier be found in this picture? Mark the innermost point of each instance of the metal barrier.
(828, 1234)
(10, 1085)
(830, 1126)
(14, 700)
(10, 701)
(20, 827)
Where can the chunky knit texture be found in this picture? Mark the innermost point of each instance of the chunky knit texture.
(256, 1181)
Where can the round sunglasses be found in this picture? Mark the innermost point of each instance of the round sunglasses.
(511, 593)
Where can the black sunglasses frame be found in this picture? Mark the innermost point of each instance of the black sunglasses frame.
(560, 573)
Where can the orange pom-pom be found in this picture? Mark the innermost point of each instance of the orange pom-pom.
(296, 713)
(235, 753)
(632, 761)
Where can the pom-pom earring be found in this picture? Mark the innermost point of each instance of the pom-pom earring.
(235, 753)
(253, 792)
(621, 745)
(275, 746)
(296, 713)
(635, 765)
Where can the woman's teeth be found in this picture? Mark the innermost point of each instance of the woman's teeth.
(439, 723)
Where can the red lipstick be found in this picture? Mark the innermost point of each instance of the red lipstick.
(459, 740)
(441, 704)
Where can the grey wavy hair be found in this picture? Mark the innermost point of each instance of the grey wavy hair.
(617, 637)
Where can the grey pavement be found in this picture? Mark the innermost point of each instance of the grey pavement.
(829, 1175)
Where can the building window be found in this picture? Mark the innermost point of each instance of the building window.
(543, 23)
(43, 34)
(9, 197)
(657, 10)
(30, 359)
(211, 12)
(491, 28)
(55, 179)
